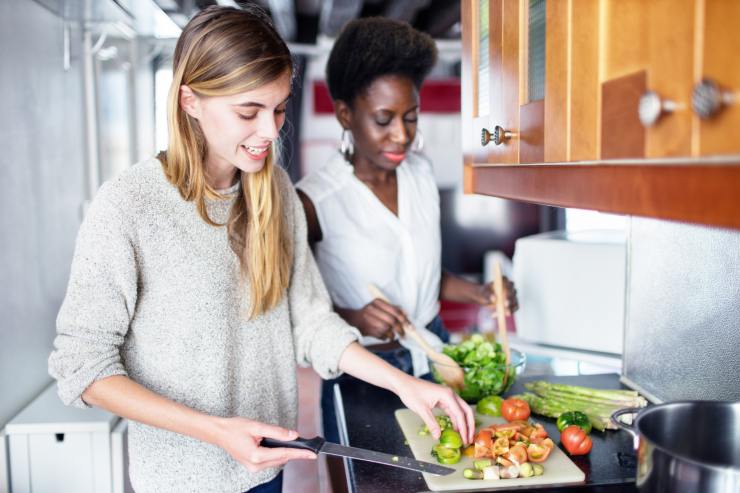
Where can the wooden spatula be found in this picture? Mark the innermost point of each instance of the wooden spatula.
(450, 372)
(500, 292)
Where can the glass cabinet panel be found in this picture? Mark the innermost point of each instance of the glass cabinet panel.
(536, 51)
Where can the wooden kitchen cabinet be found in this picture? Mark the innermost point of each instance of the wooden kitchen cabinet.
(639, 113)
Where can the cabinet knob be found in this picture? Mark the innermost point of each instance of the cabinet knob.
(500, 135)
(652, 107)
(708, 98)
(485, 137)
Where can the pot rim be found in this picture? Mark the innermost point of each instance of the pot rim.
(656, 408)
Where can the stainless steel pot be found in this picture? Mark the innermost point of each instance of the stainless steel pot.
(686, 447)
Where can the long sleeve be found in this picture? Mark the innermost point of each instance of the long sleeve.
(320, 335)
(99, 304)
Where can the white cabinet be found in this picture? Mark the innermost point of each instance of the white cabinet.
(53, 447)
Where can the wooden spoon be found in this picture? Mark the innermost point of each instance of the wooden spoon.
(449, 371)
(500, 292)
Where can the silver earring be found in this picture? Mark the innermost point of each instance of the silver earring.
(346, 145)
(418, 144)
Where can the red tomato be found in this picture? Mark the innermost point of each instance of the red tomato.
(515, 409)
(575, 440)
(483, 444)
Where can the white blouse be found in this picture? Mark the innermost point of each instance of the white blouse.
(363, 242)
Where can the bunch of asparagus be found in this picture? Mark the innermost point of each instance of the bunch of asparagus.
(552, 400)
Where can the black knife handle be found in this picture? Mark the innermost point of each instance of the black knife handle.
(313, 444)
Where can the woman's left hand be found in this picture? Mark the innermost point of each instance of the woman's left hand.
(487, 297)
(422, 396)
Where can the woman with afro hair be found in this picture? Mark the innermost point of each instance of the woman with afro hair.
(373, 210)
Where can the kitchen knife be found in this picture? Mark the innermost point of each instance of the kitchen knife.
(319, 445)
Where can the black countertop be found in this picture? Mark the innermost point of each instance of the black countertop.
(366, 419)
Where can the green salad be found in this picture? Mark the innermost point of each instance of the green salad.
(484, 363)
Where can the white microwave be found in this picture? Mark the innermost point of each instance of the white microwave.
(570, 288)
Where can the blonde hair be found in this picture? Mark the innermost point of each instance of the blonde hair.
(225, 51)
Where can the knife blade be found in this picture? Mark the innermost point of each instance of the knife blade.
(319, 445)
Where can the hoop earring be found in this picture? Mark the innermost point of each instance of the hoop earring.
(418, 144)
(346, 145)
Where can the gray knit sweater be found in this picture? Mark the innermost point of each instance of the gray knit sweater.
(154, 293)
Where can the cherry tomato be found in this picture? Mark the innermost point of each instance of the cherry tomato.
(575, 440)
(515, 409)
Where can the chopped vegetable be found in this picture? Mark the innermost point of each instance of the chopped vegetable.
(472, 474)
(539, 452)
(575, 440)
(446, 455)
(490, 405)
(509, 472)
(483, 443)
(443, 421)
(574, 418)
(526, 470)
(481, 464)
(539, 469)
(515, 409)
(517, 453)
(450, 438)
(491, 472)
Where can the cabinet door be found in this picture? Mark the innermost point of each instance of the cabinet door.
(490, 82)
(532, 86)
(719, 132)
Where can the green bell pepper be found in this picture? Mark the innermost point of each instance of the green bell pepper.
(574, 418)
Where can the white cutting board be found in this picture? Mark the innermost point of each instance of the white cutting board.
(559, 469)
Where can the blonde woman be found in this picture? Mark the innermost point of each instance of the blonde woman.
(193, 293)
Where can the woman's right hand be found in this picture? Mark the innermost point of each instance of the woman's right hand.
(378, 319)
(241, 438)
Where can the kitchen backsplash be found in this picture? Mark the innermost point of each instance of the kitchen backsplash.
(682, 316)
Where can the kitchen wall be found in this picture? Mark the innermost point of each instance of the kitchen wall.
(42, 175)
(682, 324)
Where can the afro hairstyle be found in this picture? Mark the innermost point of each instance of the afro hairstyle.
(372, 47)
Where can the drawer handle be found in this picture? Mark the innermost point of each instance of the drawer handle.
(652, 107)
(708, 99)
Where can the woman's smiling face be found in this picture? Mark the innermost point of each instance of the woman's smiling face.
(239, 129)
(383, 121)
